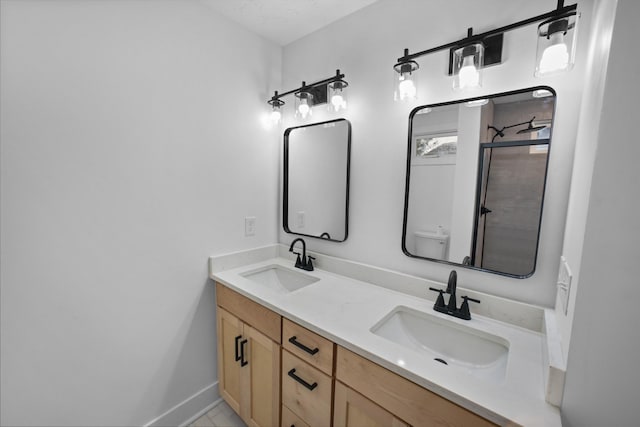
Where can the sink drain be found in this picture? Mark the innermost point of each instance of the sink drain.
(437, 359)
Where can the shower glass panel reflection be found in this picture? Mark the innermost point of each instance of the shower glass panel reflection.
(511, 188)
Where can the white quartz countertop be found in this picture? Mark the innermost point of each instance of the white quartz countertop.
(344, 310)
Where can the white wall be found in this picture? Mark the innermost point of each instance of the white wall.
(585, 156)
(127, 128)
(464, 188)
(365, 46)
(431, 194)
(603, 379)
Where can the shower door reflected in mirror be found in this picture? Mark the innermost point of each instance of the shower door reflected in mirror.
(316, 180)
(475, 181)
(510, 202)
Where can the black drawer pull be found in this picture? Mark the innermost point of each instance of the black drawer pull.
(237, 353)
(292, 374)
(303, 347)
(242, 361)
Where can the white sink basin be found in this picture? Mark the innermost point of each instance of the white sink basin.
(279, 278)
(461, 348)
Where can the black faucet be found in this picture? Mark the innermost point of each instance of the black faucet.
(451, 308)
(302, 261)
(451, 290)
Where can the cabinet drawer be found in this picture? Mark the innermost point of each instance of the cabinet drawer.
(308, 346)
(252, 313)
(289, 419)
(413, 403)
(306, 391)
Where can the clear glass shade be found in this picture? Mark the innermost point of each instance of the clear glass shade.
(275, 117)
(556, 45)
(337, 96)
(405, 85)
(303, 105)
(467, 66)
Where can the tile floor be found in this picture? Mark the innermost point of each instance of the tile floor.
(220, 416)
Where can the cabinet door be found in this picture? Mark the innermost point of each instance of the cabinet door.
(229, 330)
(262, 377)
(354, 410)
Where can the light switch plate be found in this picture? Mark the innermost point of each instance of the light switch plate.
(300, 219)
(564, 283)
(249, 226)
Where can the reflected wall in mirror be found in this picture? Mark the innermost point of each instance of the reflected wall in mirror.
(476, 173)
(316, 180)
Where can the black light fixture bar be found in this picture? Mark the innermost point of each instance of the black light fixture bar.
(338, 76)
(559, 11)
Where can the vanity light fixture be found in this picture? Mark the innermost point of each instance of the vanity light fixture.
(468, 56)
(337, 94)
(405, 85)
(331, 91)
(466, 65)
(556, 44)
(276, 104)
(304, 102)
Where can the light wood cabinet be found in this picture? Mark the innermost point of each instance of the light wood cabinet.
(248, 358)
(397, 395)
(261, 406)
(250, 312)
(308, 346)
(351, 409)
(289, 419)
(230, 330)
(307, 376)
(318, 384)
(306, 391)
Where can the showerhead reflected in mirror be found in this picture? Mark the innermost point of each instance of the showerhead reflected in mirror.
(316, 180)
(476, 174)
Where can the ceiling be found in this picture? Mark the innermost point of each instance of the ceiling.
(284, 21)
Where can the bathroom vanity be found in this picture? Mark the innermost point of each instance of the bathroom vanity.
(319, 348)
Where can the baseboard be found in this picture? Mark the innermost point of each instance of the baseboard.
(190, 409)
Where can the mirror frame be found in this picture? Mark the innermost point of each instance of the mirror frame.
(285, 181)
(478, 183)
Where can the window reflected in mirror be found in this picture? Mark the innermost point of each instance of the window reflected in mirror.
(476, 175)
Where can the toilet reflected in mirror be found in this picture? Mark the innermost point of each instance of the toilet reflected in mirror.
(431, 244)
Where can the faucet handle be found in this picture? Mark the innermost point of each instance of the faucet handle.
(307, 263)
(440, 300)
(464, 308)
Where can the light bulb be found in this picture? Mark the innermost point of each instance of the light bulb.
(556, 56)
(338, 102)
(275, 116)
(468, 75)
(406, 87)
(303, 108)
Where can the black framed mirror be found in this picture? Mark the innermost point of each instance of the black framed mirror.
(476, 175)
(316, 180)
